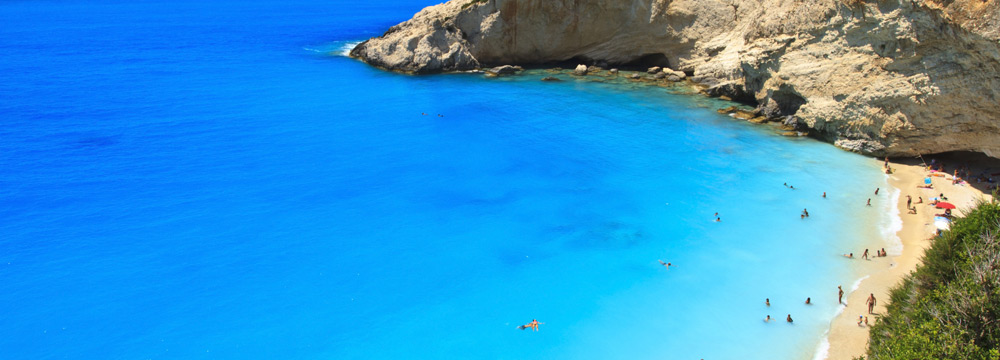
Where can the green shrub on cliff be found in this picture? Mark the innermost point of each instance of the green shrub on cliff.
(949, 308)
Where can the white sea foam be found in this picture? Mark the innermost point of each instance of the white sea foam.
(892, 224)
(346, 47)
(337, 48)
(823, 350)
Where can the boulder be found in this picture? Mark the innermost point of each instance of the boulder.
(654, 70)
(551, 79)
(505, 70)
(580, 70)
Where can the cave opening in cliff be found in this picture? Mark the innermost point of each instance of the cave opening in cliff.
(788, 100)
(648, 61)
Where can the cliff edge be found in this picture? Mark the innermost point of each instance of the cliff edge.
(890, 77)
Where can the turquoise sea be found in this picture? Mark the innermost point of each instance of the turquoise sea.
(210, 180)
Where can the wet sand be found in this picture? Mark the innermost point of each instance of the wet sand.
(848, 340)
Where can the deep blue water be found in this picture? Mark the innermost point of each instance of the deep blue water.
(205, 180)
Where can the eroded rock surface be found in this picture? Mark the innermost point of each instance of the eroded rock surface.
(883, 77)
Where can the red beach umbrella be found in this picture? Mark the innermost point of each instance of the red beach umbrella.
(945, 205)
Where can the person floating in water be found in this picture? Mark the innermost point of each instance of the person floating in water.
(789, 318)
(532, 325)
(849, 256)
(805, 212)
(665, 264)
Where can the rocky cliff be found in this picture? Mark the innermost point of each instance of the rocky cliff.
(883, 77)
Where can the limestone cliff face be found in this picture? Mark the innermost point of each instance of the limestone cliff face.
(892, 77)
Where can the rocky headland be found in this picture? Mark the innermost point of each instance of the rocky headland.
(888, 77)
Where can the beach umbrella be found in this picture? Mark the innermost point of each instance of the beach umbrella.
(945, 205)
(942, 222)
(927, 180)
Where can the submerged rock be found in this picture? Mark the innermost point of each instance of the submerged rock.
(505, 70)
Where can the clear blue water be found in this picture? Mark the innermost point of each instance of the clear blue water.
(187, 179)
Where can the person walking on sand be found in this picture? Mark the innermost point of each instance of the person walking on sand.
(871, 303)
(909, 201)
(840, 295)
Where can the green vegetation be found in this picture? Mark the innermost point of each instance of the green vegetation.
(949, 308)
(473, 2)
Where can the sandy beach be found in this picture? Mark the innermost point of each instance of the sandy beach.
(846, 338)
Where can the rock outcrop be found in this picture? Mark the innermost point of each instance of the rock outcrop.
(883, 77)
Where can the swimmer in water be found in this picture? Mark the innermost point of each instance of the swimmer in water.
(789, 318)
(718, 219)
(667, 265)
(850, 256)
(532, 325)
(808, 301)
(767, 302)
(824, 194)
(767, 319)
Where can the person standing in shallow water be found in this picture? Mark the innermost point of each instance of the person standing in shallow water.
(789, 318)
(869, 202)
(865, 255)
(840, 295)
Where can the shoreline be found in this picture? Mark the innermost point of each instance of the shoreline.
(845, 338)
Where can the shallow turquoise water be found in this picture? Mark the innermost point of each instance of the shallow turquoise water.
(188, 180)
